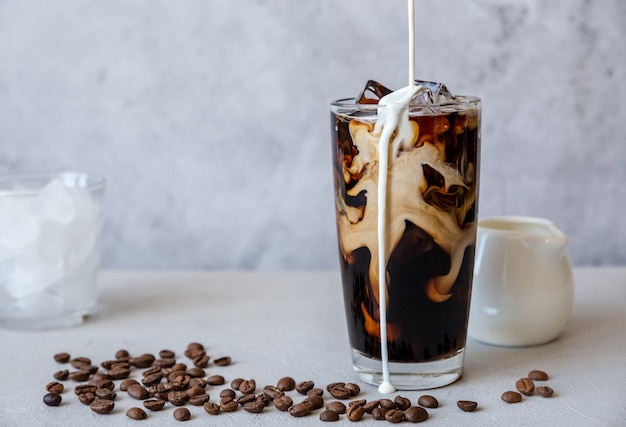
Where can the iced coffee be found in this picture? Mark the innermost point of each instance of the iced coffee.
(431, 171)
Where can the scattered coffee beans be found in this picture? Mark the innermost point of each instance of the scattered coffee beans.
(329, 416)
(62, 357)
(402, 403)
(138, 392)
(212, 408)
(304, 387)
(102, 406)
(222, 361)
(545, 391)
(525, 386)
(337, 407)
(154, 404)
(283, 403)
(215, 380)
(428, 401)
(467, 405)
(61, 375)
(538, 375)
(182, 414)
(394, 416)
(415, 414)
(286, 384)
(52, 399)
(355, 412)
(136, 413)
(301, 409)
(54, 387)
(254, 407)
(511, 397)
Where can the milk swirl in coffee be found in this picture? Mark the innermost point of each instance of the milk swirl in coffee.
(406, 193)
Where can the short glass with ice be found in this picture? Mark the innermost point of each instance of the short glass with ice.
(50, 230)
(431, 213)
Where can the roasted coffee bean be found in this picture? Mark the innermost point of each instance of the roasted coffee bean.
(154, 404)
(52, 399)
(301, 409)
(355, 413)
(246, 398)
(152, 370)
(194, 353)
(353, 388)
(181, 382)
(195, 346)
(211, 408)
(467, 405)
(167, 354)
(106, 383)
(332, 385)
(247, 386)
(272, 392)
(263, 398)
(61, 375)
(340, 392)
(304, 387)
(360, 402)
(194, 391)
(101, 376)
(196, 372)
(119, 372)
(394, 416)
(176, 375)
(182, 414)
(428, 401)
(122, 354)
(155, 389)
(102, 406)
(107, 364)
(105, 393)
(316, 401)
(227, 392)
(215, 380)
(387, 404)
(152, 379)
(315, 392)
(283, 403)
(379, 413)
(228, 405)
(199, 400)
(538, 375)
(86, 398)
(136, 413)
(54, 387)
(127, 383)
(545, 391)
(197, 382)
(62, 357)
(177, 398)
(79, 362)
(254, 407)
(511, 397)
(84, 388)
(337, 407)
(329, 416)
(234, 384)
(402, 402)
(222, 361)
(525, 386)
(370, 406)
(137, 391)
(81, 375)
(201, 361)
(143, 361)
(415, 414)
(286, 384)
(164, 363)
(178, 367)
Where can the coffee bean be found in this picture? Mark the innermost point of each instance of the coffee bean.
(105, 393)
(62, 357)
(222, 361)
(201, 361)
(228, 404)
(301, 409)
(247, 386)
(545, 391)
(525, 386)
(234, 384)
(316, 401)
(81, 375)
(283, 403)
(177, 398)
(304, 387)
(137, 391)
(353, 388)
(54, 387)
(355, 413)
(194, 391)
(337, 407)
(379, 413)
(198, 382)
(199, 399)
(106, 383)
(196, 372)
(402, 402)
(467, 405)
(211, 408)
(136, 413)
(167, 354)
(127, 383)
(538, 375)
(52, 399)
(61, 375)
(340, 392)
(387, 404)
(254, 407)
(143, 361)
(227, 392)
(273, 392)
(154, 404)
(246, 398)
(101, 376)
(360, 402)
(371, 405)
(152, 379)
(428, 401)
(315, 392)
(84, 388)
(182, 414)
(119, 372)
(79, 362)
(263, 398)
(86, 398)
(286, 384)
(178, 367)
(511, 397)
(102, 406)
(122, 354)
(329, 416)
(394, 416)
(216, 380)
(195, 346)
(415, 414)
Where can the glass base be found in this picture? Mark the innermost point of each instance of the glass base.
(66, 320)
(410, 376)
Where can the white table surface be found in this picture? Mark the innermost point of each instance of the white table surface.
(292, 323)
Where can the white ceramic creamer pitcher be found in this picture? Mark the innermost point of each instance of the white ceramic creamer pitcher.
(523, 289)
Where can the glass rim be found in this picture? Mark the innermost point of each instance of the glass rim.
(458, 101)
(92, 181)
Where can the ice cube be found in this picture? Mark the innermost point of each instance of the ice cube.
(55, 203)
(431, 93)
(83, 233)
(18, 222)
(53, 245)
(40, 304)
(31, 273)
(372, 92)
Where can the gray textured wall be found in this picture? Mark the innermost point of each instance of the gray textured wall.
(210, 118)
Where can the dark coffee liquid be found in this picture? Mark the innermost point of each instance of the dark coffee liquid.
(424, 330)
